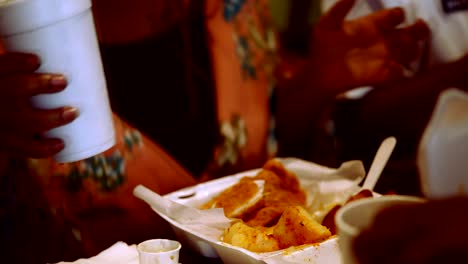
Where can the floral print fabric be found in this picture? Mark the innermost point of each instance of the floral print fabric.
(243, 47)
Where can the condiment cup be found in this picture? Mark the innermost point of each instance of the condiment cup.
(159, 251)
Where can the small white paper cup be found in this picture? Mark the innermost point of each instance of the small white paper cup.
(356, 216)
(159, 251)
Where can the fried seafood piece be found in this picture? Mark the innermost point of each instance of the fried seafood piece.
(282, 189)
(275, 201)
(261, 206)
(270, 178)
(276, 187)
(266, 216)
(253, 239)
(239, 199)
(297, 227)
(288, 180)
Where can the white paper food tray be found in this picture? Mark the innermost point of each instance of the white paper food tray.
(325, 252)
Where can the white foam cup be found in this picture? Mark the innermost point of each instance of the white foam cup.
(358, 215)
(62, 34)
(159, 251)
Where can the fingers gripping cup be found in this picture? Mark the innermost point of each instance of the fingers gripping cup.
(159, 251)
(62, 34)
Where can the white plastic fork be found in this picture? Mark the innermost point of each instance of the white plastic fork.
(378, 164)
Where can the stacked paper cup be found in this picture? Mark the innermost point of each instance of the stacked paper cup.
(62, 34)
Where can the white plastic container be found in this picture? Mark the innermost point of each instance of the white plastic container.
(62, 34)
(207, 242)
(443, 150)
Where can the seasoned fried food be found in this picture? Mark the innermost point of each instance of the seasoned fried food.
(239, 199)
(266, 216)
(272, 216)
(261, 206)
(253, 239)
(288, 180)
(275, 201)
(281, 189)
(297, 227)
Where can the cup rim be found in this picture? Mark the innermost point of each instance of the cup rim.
(341, 224)
(177, 244)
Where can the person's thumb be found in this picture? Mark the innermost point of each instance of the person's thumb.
(333, 19)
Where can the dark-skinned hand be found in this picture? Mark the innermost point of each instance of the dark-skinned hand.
(364, 51)
(22, 125)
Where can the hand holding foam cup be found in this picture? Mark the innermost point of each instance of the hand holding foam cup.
(62, 34)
